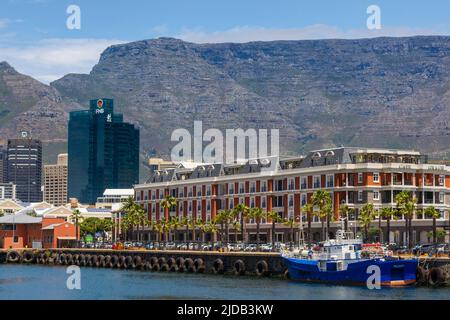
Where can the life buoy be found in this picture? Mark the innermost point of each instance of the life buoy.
(436, 277)
(128, 262)
(217, 266)
(239, 267)
(262, 268)
(27, 256)
(137, 262)
(199, 265)
(189, 265)
(180, 264)
(13, 256)
(421, 276)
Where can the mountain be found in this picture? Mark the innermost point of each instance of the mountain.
(28, 105)
(383, 92)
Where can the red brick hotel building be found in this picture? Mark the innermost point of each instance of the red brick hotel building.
(354, 176)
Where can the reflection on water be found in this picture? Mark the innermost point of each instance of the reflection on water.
(49, 282)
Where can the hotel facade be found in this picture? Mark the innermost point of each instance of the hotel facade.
(353, 176)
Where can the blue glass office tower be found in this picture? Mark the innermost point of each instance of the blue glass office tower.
(103, 151)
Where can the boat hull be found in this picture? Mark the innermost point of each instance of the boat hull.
(394, 273)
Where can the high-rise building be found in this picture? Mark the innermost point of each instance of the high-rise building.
(25, 168)
(55, 181)
(3, 164)
(103, 151)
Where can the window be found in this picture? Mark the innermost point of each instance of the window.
(199, 206)
(376, 177)
(376, 195)
(441, 180)
(263, 186)
(303, 183)
(263, 202)
(252, 186)
(291, 200)
(303, 199)
(278, 185)
(199, 191)
(441, 197)
(208, 190)
(190, 206)
(208, 205)
(316, 182)
(360, 196)
(291, 184)
(181, 192)
(190, 191)
(153, 195)
(241, 187)
(231, 204)
(252, 202)
(330, 181)
(360, 177)
(231, 188)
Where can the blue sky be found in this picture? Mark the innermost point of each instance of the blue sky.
(35, 40)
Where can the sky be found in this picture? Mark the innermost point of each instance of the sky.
(35, 39)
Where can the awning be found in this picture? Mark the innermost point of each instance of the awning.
(66, 238)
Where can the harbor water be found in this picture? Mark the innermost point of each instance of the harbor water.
(50, 282)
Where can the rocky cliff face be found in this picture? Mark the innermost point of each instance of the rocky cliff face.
(28, 105)
(385, 92)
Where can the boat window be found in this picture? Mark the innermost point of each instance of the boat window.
(350, 247)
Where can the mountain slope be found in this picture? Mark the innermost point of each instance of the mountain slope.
(386, 92)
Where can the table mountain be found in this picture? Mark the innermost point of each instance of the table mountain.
(385, 92)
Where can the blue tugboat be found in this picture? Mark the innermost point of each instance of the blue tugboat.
(343, 261)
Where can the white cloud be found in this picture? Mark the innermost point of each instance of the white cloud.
(3, 23)
(319, 31)
(51, 59)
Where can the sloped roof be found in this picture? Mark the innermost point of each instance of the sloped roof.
(20, 219)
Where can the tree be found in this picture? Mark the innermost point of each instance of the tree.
(366, 216)
(185, 222)
(406, 205)
(433, 213)
(175, 223)
(291, 224)
(275, 218)
(322, 200)
(309, 209)
(160, 230)
(345, 212)
(242, 210)
(225, 217)
(387, 213)
(139, 217)
(257, 214)
(77, 217)
(168, 203)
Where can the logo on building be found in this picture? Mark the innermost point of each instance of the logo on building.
(99, 107)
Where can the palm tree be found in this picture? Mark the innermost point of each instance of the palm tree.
(168, 203)
(387, 213)
(275, 218)
(76, 216)
(186, 222)
(236, 227)
(242, 210)
(151, 225)
(345, 212)
(406, 205)
(322, 200)
(365, 218)
(291, 224)
(212, 227)
(257, 214)
(199, 224)
(160, 230)
(309, 209)
(175, 223)
(165, 228)
(226, 217)
(433, 213)
(140, 217)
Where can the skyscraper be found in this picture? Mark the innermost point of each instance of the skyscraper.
(25, 168)
(103, 151)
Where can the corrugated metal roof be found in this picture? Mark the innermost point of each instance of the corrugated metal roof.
(19, 219)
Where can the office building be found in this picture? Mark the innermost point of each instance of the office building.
(24, 168)
(103, 152)
(55, 181)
